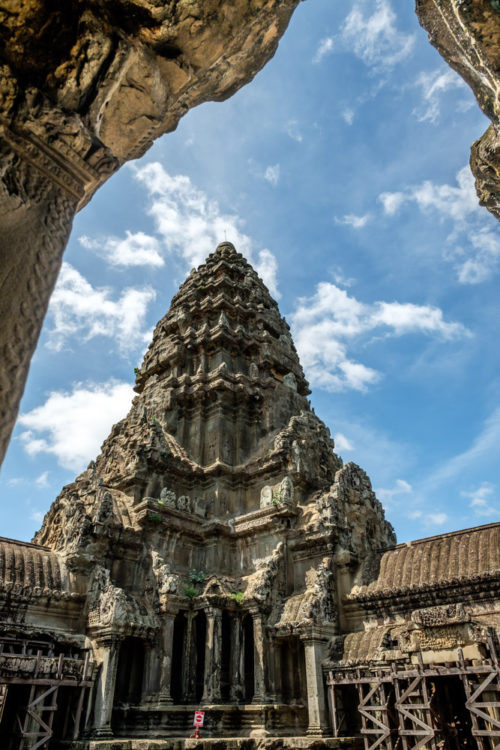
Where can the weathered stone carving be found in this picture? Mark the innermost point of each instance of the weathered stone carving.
(467, 34)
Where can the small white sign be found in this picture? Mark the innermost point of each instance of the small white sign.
(199, 718)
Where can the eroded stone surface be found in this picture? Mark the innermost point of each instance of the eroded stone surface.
(467, 35)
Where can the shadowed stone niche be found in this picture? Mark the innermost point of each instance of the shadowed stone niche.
(85, 86)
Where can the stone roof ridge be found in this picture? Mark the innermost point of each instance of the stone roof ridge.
(442, 560)
(459, 532)
(20, 543)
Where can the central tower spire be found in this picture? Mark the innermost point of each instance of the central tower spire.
(222, 373)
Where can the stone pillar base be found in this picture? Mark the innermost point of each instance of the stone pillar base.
(103, 733)
(318, 732)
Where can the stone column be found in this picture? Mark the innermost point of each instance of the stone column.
(211, 686)
(35, 228)
(167, 639)
(236, 691)
(150, 674)
(105, 689)
(188, 661)
(272, 648)
(259, 695)
(315, 651)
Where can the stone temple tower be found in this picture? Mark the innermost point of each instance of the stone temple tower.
(207, 549)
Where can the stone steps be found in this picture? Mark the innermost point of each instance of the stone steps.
(227, 743)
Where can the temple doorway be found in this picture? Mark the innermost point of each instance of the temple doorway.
(177, 657)
(293, 670)
(130, 672)
(450, 717)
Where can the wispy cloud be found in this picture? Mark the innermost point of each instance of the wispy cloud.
(78, 308)
(433, 85)
(342, 443)
(401, 487)
(43, 479)
(323, 325)
(480, 500)
(375, 38)
(138, 249)
(267, 268)
(348, 115)
(340, 278)
(190, 225)
(293, 131)
(272, 174)
(473, 248)
(351, 220)
(435, 519)
(484, 446)
(72, 425)
(449, 201)
(325, 47)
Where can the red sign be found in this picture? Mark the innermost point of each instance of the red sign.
(199, 717)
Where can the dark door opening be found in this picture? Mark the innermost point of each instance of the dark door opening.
(130, 672)
(450, 717)
(178, 657)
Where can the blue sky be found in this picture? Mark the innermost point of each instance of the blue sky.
(341, 172)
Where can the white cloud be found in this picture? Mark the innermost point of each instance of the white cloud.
(267, 268)
(72, 426)
(43, 479)
(409, 318)
(340, 279)
(401, 487)
(342, 443)
(449, 201)
(351, 220)
(191, 225)
(473, 248)
(272, 174)
(138, 249)
(392, 202)
(436, 519)
(293, 131)
(433, 85)
(348, 115)
(325, 47)
(37, 516)
(375, 38)
(323, 324)
(480, 500)
(76, 307)
(482, 265)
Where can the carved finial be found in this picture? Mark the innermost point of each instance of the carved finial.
(225, 248)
